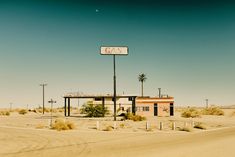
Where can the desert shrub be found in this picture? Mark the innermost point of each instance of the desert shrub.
(233, 114)
(70, 125)
(130, 116)
(61, 124)
(187, 129)
(40, 126)
(122, 125)
(47, 110)
(92, 110)
(5, 113)
(23, 111)
(213, 111)
(190, 112)
(108, 128)
(39, 110)
(200, 126)
(60, 109)
(33, 110)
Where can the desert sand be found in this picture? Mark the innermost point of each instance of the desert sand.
(19, 137)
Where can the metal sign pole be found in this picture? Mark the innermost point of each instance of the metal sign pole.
(51, 101)
(114, 86)
(112, 50)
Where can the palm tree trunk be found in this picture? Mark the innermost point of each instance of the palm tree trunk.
(142, 88)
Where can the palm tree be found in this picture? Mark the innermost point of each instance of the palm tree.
(142, 78)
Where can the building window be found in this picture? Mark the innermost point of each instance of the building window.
(139, 109)
(98, 99)
(142, 108)
(146, 108)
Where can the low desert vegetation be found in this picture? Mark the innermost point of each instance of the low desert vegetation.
(22, 111)
(200, 126)
(62, 124)
(190, 113)
(40, 126)
(130, 116)
(233, 114)
(213, 111)
(108, 128)
(91, 110)
(122, 125)
(4, 113)
(187, 129)
(40, 110)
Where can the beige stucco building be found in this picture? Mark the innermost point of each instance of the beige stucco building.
(155, 106)
(144, 106)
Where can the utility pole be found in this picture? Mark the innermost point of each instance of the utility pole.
(78, 100)
(43, 96)
(207, 103)
(159, 92)
(114, 86)
(51, 102)
(11, 106)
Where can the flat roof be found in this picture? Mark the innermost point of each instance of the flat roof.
(81, 95)
(96, 96)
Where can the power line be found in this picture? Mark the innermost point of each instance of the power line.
(207, 103)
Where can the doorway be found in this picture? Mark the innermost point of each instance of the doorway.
(155, 110)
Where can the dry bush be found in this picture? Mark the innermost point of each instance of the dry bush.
(33, 110)
(130, 116)
(108, 128)
(213, 111)
(4, 113)
(122, 125)
(233, 114)
(190, 112)
(187, 129)
(61, 124)
(40, 126)
(47, 110)
(38, 110)
(60, 109)
(23, 111)
(70, 125)
(200, 126)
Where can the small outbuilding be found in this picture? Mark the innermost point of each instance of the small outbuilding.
(155, 106)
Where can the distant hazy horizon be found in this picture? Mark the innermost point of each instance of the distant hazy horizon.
(185, 48)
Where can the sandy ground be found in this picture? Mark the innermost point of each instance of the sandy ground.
(20, 138)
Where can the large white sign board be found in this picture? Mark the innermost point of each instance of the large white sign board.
(123, 50)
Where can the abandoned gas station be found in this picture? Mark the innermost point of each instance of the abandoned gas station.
(145, 106)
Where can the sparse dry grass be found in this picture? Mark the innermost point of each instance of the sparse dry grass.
(4, 113)
(213, 111)
(108, 128)
(187, 129)
(233, 114)
(190, 113)
(200, 126)
(130, 116)
(122, 125)
(62, 124)
(23, 111)
(40, 126)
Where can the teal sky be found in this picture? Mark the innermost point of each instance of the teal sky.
(187, 49)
